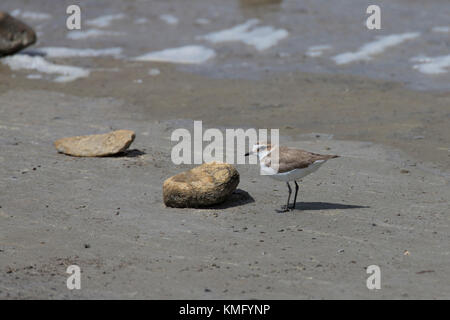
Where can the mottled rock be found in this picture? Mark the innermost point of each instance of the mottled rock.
(14, 35)
(203, 186)
(97, 145)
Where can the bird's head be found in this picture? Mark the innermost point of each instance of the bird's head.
(261, 150)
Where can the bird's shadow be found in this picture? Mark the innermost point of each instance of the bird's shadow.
(325, 206)
(238, 198)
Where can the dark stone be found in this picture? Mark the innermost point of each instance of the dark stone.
(14, 35)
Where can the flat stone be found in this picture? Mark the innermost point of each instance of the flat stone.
(14, 35)
(203, 186)
(97, 145)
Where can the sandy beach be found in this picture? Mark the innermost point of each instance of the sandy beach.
(384, 202)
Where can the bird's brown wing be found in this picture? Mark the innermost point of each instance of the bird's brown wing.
(290, 159)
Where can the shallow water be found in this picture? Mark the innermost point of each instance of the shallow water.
(285, 36)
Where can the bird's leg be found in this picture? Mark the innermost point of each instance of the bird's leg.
(286, 208)
(295, 196)
(289, 198)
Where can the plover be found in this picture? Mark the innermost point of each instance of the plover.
(293, 164)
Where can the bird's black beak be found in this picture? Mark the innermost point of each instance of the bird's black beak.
(247, 154)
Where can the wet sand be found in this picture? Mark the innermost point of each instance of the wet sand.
(347, 107)
(384, 202)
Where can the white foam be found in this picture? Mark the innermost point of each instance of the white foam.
(104, 21)
(154, 72)
(432, 65)
(31, 15)
(62, 52)
(15, 12)
(441, 29)
(34, 76)
(67, 73)
(91, 33)
(141, 21)
(169, 19)
(261, 38)
(317, 51)
(188, 54)
(202, 21)
(376, 47)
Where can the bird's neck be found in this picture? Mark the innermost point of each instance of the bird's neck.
(264, 154)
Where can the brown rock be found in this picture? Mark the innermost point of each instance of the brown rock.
(203, 186)
(97, 145)
(14, 35)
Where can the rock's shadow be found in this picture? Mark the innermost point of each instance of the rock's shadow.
(325, 206)
(238, 198)
(133, 153)
(33, 53)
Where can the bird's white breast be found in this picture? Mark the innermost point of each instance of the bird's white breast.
(292, 175)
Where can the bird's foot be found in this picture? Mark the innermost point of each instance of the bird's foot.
(284, 209)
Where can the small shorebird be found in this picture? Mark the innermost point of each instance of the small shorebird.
(293, 164)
